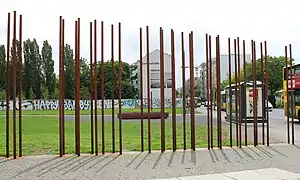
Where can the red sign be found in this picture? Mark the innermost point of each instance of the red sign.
(295, 82)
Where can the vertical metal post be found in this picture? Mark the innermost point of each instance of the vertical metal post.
(77, 87)
(245, 93)
(141, 90)
(20, 87)
(102, 87)
(292, 95)
(263, 93)
(218, 93)
(91, 87)
(207, 93)
(148, 89)
(14, 86)
(255, 95)
(211, 93)
(239, 93)
(95, 88)
(287, 95)
(76, 49)
(192, 92)
(236, 95)
(183, 91)
(120, 88)
(173, 91)
(113, 88)
(7, 89)
(267, 87)
(63, 86)
(162, 91)
(230, 92)
(60, 88)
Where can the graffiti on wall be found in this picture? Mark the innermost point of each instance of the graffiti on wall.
(45, 104)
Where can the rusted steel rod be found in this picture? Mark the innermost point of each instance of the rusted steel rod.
(148, 88)
(162, 91)
(207, 92)
(183, 91)
(14, 68)
(113, 88)
(77, 88)
(95, 88)
(210, 104)
(63, 87)
(91, 87)
(141, 89)
(120, 88)
(60, 87)
(218, 93)
(263, 93)
(245, 92)
(7, 88)
(20, 86)
(102, 88)
(230, 92)
(239, 93)
(255, 95)
(292, 95)
(76, 44)
(236, 95)
(192, 92)
(267, 87)
(173, 91)
(287, 95)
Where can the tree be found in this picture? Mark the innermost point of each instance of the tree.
(2, 68)
(275, 78)
(128, 91)
(69, 73)
(48, 69)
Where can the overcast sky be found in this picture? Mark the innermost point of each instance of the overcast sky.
(275, 21)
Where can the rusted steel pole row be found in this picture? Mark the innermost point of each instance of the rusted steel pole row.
(16, 64)
(210, 101)
(95, 86)
(262, 93)
(239, 94)
(77, 87)
(120, 71)
(290, 107)
(287, 94)
(92, 87)
(162, 91)
(266, 90)
(219, 123)
(102, 88)
(245, 93)
(148, 89)
(192, 91)
(183, 90)
(61, 89)
(207, 91)
(236, 94)
(173, 91)
(230, 92)
(141, 90)
(292, 94)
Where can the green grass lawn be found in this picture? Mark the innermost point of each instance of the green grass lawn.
(40, 136)
(87, 112)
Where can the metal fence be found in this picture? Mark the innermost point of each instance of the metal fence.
(236, 91)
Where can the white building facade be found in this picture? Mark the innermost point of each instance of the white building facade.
(154, 63)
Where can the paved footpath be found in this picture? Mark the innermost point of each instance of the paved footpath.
(156, 165)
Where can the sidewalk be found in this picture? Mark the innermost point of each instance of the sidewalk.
(260, 174)
(156, 165)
